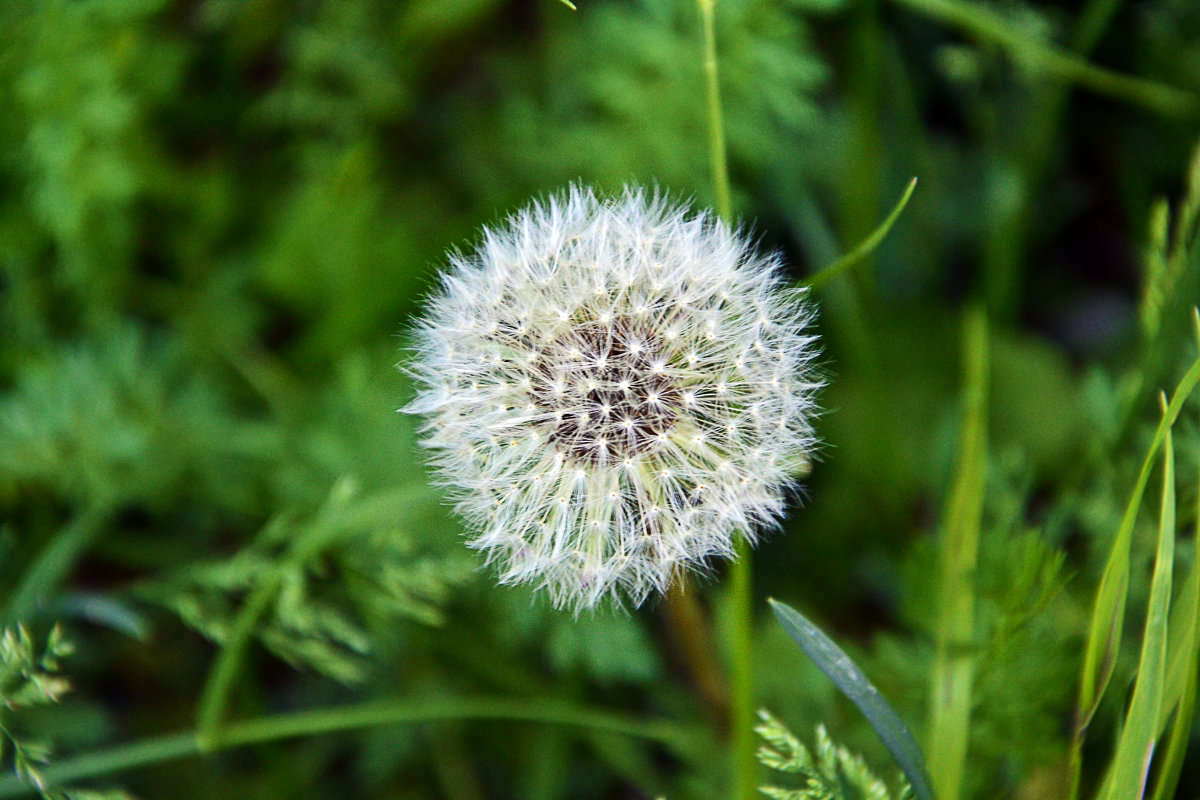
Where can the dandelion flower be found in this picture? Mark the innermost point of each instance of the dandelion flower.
(616, 390)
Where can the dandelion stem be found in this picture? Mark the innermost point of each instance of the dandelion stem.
(692, 633)
(186, 744)
(741, 622)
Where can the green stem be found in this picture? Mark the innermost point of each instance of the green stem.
(865, 247)
(55, 561)
(741, 658)
(356, 717)
(716, 119)
(954, 662)
(982, 22)
(741, 624)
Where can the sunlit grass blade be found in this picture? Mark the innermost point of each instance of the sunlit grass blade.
(866, 247)
(846, 675)
(1135, 748)
(954, 667)
(1104, 636)
(1183, 671)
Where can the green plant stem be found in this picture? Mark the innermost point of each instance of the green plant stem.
(865, 248)
(980, 21)
(954, 666)
(52, 564)
(300, 724)
(716, 119)
(741, 656)
(692, 637)
(741, 623)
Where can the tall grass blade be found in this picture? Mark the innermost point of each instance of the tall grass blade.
(954, 667)
(1183, 670)
(1135, 748)
(1104, 636)
(846, 675)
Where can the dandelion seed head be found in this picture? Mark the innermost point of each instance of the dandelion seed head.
(615, 390)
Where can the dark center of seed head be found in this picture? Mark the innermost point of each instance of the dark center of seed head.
(613, 403)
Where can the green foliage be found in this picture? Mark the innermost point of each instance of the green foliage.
(334, 576)
(834, 774)
(632, 111)
(31, 677)
(216, 217)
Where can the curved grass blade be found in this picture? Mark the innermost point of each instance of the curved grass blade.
(867, 245)
(834, 662)
(1104, 637)
(1183, 672)
(1135, 748)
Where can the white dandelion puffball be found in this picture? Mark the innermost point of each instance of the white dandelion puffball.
(616, 390)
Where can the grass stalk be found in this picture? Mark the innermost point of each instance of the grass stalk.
(187, 744)
(954, 665)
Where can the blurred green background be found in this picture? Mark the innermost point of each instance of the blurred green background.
(217, 217)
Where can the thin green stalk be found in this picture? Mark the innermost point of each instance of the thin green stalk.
(51, 565)
(741, 624)
(954, 667)
(981, 21)
(716, 119)
(301, 724)
(741, 655)
(865, 248)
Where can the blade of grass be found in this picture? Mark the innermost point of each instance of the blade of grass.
(1057, 61)
(1104, 636)
(1183, 672)
(954, 666)
(1184, 630)
(1135, 748)
(846, 675)
(866, 247)
(173, 747)
(53, 564)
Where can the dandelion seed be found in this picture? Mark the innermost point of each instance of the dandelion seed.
(632, 375)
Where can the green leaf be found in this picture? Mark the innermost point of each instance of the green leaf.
(834, 662)
(954, 669)
(1135, 748)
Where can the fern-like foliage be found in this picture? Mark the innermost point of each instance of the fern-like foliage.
(833, 774)
(330, 575)
(622, 60)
